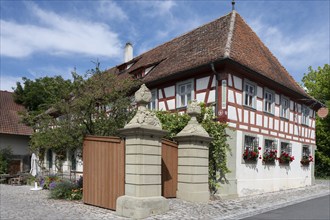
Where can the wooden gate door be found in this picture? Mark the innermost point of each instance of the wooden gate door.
(169, 168)
(104, 171)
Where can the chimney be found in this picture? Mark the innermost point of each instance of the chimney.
(128, 53)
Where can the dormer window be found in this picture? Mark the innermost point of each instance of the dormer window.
(129, 66)
(147, 70)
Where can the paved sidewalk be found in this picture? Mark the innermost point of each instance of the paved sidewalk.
(18, 202)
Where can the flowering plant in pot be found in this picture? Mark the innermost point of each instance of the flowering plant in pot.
(285, 158)
(305, 160)
(269, 156)
(251, 154)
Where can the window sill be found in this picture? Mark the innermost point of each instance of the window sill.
(285, 119)
(249, 107)
(268, 113)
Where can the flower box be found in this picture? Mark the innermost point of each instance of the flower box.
(269, 156)
(305, 160)
(251, 155)
(285, 158)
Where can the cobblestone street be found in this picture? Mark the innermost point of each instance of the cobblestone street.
(18, 202)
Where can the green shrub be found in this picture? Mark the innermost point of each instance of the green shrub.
(65, 190)
(6, 155)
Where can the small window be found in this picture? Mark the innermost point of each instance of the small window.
(270, 151)
(286, 153)
(306, 156)
(285, 107)
(153, 103)
(305, 115)
(249, 94)
(251, 149)
(185, 93)
(269, 101)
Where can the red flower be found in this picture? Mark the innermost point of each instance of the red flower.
(259, 148)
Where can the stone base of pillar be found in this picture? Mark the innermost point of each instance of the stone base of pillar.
(141, 207)
(193, 196)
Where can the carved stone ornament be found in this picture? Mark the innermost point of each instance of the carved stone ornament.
(143, 115)
(193, 127)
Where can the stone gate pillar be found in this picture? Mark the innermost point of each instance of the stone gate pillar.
(142, 163)
(193, 155)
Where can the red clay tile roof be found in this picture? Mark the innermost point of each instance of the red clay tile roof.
(9, 118)
(227, 37)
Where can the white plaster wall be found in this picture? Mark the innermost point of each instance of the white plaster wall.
(277, 99)
(271, 123)
(171, 104)
(265, 121)
(169, 91)
(259, 120)
(200, 97)
(259, 178)
(230, 83)
(252, 117)
(160, 94)
(237, 83)
(259, 105)
(259, 91)
(246, 116)
(213, 81)
(239, 111)
(162, 106)
(277, 111)
(211, 96)
(238, 98)
(232, 113)
(231, 96)
(202, 83)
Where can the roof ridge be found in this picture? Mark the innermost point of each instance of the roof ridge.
(187, 32)
(230, 34)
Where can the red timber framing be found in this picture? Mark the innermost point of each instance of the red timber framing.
(256, 120)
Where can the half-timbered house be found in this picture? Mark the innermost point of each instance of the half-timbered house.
(225, 64)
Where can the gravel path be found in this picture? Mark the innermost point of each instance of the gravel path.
(18, 202)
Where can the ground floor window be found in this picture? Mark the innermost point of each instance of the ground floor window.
(306, 156)
(270, 151)
(286, 153)
(251, 148)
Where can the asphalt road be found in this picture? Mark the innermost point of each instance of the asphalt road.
(313, 209)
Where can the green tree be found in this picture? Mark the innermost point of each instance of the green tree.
(317, 83)
(98, 104)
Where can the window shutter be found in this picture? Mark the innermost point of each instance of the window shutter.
(274, 145)
(256, 142)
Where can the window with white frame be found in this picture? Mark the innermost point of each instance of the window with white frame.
(249, 94)
(251, 148)
(270, 151)
(269, 101)
(185, 92)
(305, 151)
(285, 157)
(153, 103)
(305, 115)
(285, 107)
(286, 148)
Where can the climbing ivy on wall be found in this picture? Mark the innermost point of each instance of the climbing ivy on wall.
(175, 122)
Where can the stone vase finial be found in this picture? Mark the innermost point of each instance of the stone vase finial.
(193, 127)
(143, 116)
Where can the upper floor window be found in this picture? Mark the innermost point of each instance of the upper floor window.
(305, 115)
(269, 101)
(153, 103)
(285, 107)
(185, 93)
(249, 94)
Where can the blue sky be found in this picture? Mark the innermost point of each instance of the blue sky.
(47, 38)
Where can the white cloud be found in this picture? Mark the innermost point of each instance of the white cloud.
(295, 52)
(7, 82)
(112, 10)
(156, 8)
(57, 35)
